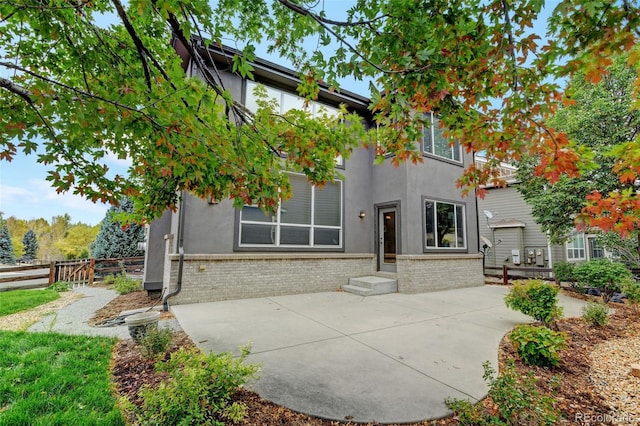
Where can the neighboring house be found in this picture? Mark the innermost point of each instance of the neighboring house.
(512, 236)
(406, 223)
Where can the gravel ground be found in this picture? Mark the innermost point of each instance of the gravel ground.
(71, 313)
(24, 319)
(611, 376)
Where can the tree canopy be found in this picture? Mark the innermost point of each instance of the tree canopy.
(30, 243)
(75, 91)
(115, 240)
(601, 118)
(7, 255)
(55, 240)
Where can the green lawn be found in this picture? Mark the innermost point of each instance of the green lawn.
(19, 300)
(55, 379)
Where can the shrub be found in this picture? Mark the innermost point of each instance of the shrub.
(124, 285)
(631, 289)
(60, 286)
(564, 271)
(516, 398)
(536, 299)
(595, 313)
(197, 391)
(155, 342)
(109, 279)
(602, 273)
(538, 345)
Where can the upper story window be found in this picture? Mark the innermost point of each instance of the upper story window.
(575, 247)
(444, 225)
(312, 217)
(434, 142)
(287, 101)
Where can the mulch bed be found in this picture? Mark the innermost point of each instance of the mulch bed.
(574, 394)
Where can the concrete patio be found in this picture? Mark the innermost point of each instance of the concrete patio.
(390, 358)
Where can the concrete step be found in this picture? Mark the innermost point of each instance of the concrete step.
(371, 285)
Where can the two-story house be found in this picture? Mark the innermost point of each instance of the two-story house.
(408, 224)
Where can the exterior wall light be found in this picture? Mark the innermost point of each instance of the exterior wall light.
(362, 214)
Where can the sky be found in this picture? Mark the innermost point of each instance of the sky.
(26, 194)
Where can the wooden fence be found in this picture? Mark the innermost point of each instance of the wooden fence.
(122, 265)
(77, 272)
(26, 276)
(516, 272)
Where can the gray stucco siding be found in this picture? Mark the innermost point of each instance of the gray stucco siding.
(154, 250)
(358, 188)
(208, 228)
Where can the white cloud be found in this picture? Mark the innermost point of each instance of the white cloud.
(112, 158)
(36, 198)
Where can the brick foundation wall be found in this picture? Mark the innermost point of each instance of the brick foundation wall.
(422, 273)
(210, 278)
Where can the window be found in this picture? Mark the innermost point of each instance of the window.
(434, 142)
(312, 217)
(575, 247)
(596, 251)
(287, 101)
(444, 225)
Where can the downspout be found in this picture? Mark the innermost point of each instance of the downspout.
(165, 300)
(187, 66)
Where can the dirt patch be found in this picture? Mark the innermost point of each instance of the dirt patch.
(127, 302)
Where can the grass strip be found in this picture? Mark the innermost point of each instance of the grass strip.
(20, 300)
(56, 379)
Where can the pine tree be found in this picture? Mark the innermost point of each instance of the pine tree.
(113, 241)
(30, 242)
(7, 255)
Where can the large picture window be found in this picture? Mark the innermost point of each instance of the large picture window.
(444, 225)
(312, 217)
(434, 142)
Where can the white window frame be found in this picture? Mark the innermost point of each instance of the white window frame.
(574, 253)
(458, 207)
(277, 222)
(428, 140)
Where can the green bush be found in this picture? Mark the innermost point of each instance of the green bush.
(536, 299)
(603, 274)
(60, 286)
(538, 345)
(155, 342)
(198, 390)
(595, 313)
(124, 285)
(109, 279)
(631, 289)
(564, 271)
(516, 398)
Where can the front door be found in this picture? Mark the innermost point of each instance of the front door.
(387, 239)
